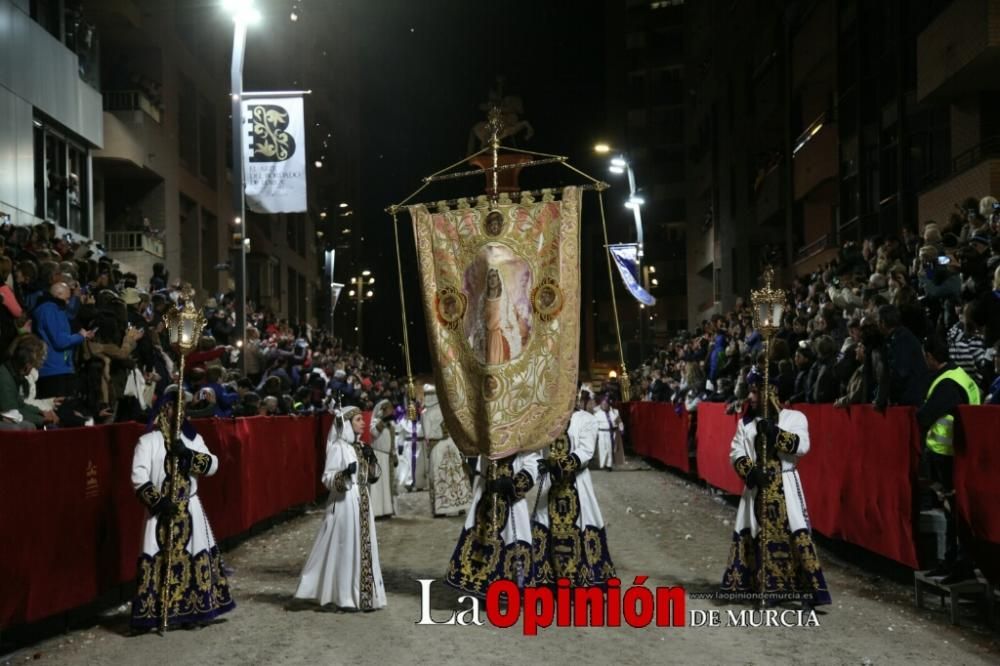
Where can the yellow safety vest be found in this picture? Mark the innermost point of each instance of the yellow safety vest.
(941, 435)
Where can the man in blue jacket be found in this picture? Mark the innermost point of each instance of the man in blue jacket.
(56, 377)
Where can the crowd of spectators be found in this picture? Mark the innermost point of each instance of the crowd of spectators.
(83, 343)
(855, 330)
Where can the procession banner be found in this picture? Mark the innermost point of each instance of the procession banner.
(274, 155)
(626, 258)
(501, 293)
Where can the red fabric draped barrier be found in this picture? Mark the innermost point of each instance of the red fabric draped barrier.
(657, 431)
(859, 477)
(54, 520)
(70, 525)
(715, 435)
(977, 492)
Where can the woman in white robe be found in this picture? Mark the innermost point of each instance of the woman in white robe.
(199, 590)
(495, 542)
(782, 520)
(383, 434)
(568, 530)
(343, 567)
(609, 432)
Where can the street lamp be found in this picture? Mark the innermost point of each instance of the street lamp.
(244, 14)
(361, 290)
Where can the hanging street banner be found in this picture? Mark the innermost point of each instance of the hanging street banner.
(274, 155)
(335, 288)
(626, 258)
(501, 292)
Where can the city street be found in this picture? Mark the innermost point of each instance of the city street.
(659, 525)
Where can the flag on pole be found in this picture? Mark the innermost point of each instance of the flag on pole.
(274, 155)
(626, 258)
(335, 288)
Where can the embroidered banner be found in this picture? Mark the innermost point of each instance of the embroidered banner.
(274, 155)
(501, 293)
(626, 258)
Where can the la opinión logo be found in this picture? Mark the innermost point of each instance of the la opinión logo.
(506, 603)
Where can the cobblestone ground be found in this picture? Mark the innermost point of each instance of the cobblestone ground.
(659, 525)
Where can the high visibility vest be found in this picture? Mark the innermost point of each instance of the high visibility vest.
(940, 438)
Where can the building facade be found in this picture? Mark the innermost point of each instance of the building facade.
(806, 130)
(50, 115)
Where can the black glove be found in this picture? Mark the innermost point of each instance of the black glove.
(543, 466)
(389, 419)
(756, 478)
(767, 428)
(177, 446)
(351, 469)
(164, 507)
(369, 454)
(554, 468)
(504, 486)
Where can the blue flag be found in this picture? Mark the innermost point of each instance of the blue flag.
(626, 256)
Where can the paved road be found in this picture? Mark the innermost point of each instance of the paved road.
(659, 525)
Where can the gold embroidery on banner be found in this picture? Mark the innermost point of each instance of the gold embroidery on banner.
(450, 305)
(547, 299)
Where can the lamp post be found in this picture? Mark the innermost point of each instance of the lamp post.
(244, 14)
(620, 165)
(362, 290)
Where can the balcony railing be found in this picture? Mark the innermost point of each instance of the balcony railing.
(987, 149)
(133, 241)
(824, 242)
(130, 100)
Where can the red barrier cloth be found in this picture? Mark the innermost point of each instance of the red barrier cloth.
(70, 524)
(279, 464)
(54, 520)
(977, 493)
(715, 436)
(657, 431)
(859, 477)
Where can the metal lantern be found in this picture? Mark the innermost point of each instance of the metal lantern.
(768, 306)
(184, 326)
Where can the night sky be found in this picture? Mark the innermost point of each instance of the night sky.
(425, 69)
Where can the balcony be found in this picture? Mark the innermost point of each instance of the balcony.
(988, 149)
(959, 52)
(133, 241)
(131, 100)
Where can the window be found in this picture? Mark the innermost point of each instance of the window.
(187, 124)
(196, 133)
(635, 40)
(62, 179)
(206, 141)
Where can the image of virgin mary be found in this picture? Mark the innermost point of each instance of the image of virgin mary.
(496, 338)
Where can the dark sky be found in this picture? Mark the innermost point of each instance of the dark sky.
(425, 68)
